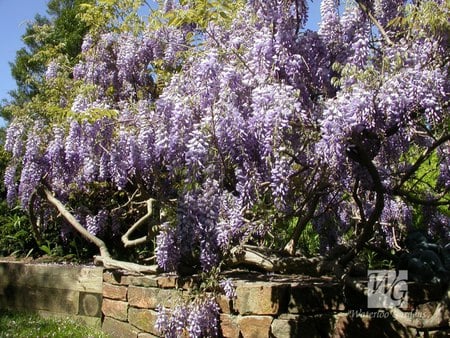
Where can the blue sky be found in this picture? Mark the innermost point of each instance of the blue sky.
(14, 14)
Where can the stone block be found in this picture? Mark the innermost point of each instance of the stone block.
(117, 329)
(115, 309)
(188, 282)
(167, 281)
(367, 325)
(316, 298)
(225, 304)
(261, 298)
(307, 326)
(147, 335)
(255, 326)
(142, 297)
(38, 298)
(285, 328)
(143, 319)
(51, 276)
(145, 281)
(117, 292)
(90, 304)
(150, 298)
(229, 326)
(112, 277)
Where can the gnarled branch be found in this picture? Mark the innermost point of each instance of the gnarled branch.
(249, 257)
(105, 257)
(109, 263)
(366, 10)
(262, 260)
(127, 242)
(439, 319)
(360, 155)
(291, 246)
(75, 224)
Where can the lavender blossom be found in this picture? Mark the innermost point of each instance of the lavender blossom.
(167, 249)
(228, 288)
(52, 70)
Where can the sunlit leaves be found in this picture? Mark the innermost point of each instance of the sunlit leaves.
(113, 15)
(202, 13)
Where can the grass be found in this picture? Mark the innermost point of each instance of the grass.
(26, 325)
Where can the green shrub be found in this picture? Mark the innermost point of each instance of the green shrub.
(16, 237)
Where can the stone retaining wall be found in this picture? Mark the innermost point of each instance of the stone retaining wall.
(53, 290)
(265, 306)
(124, 305)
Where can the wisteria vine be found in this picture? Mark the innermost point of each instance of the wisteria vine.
(260, 122)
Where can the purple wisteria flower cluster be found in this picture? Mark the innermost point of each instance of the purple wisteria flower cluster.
(197, 319)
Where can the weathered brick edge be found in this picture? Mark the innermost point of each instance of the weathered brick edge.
(264, 307)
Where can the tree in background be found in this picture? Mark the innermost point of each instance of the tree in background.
(60, 33)
(226, 126)
(58, 36)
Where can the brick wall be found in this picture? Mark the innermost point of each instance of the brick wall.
(265, 306)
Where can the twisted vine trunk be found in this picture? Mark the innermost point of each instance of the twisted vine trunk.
(105, 257)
